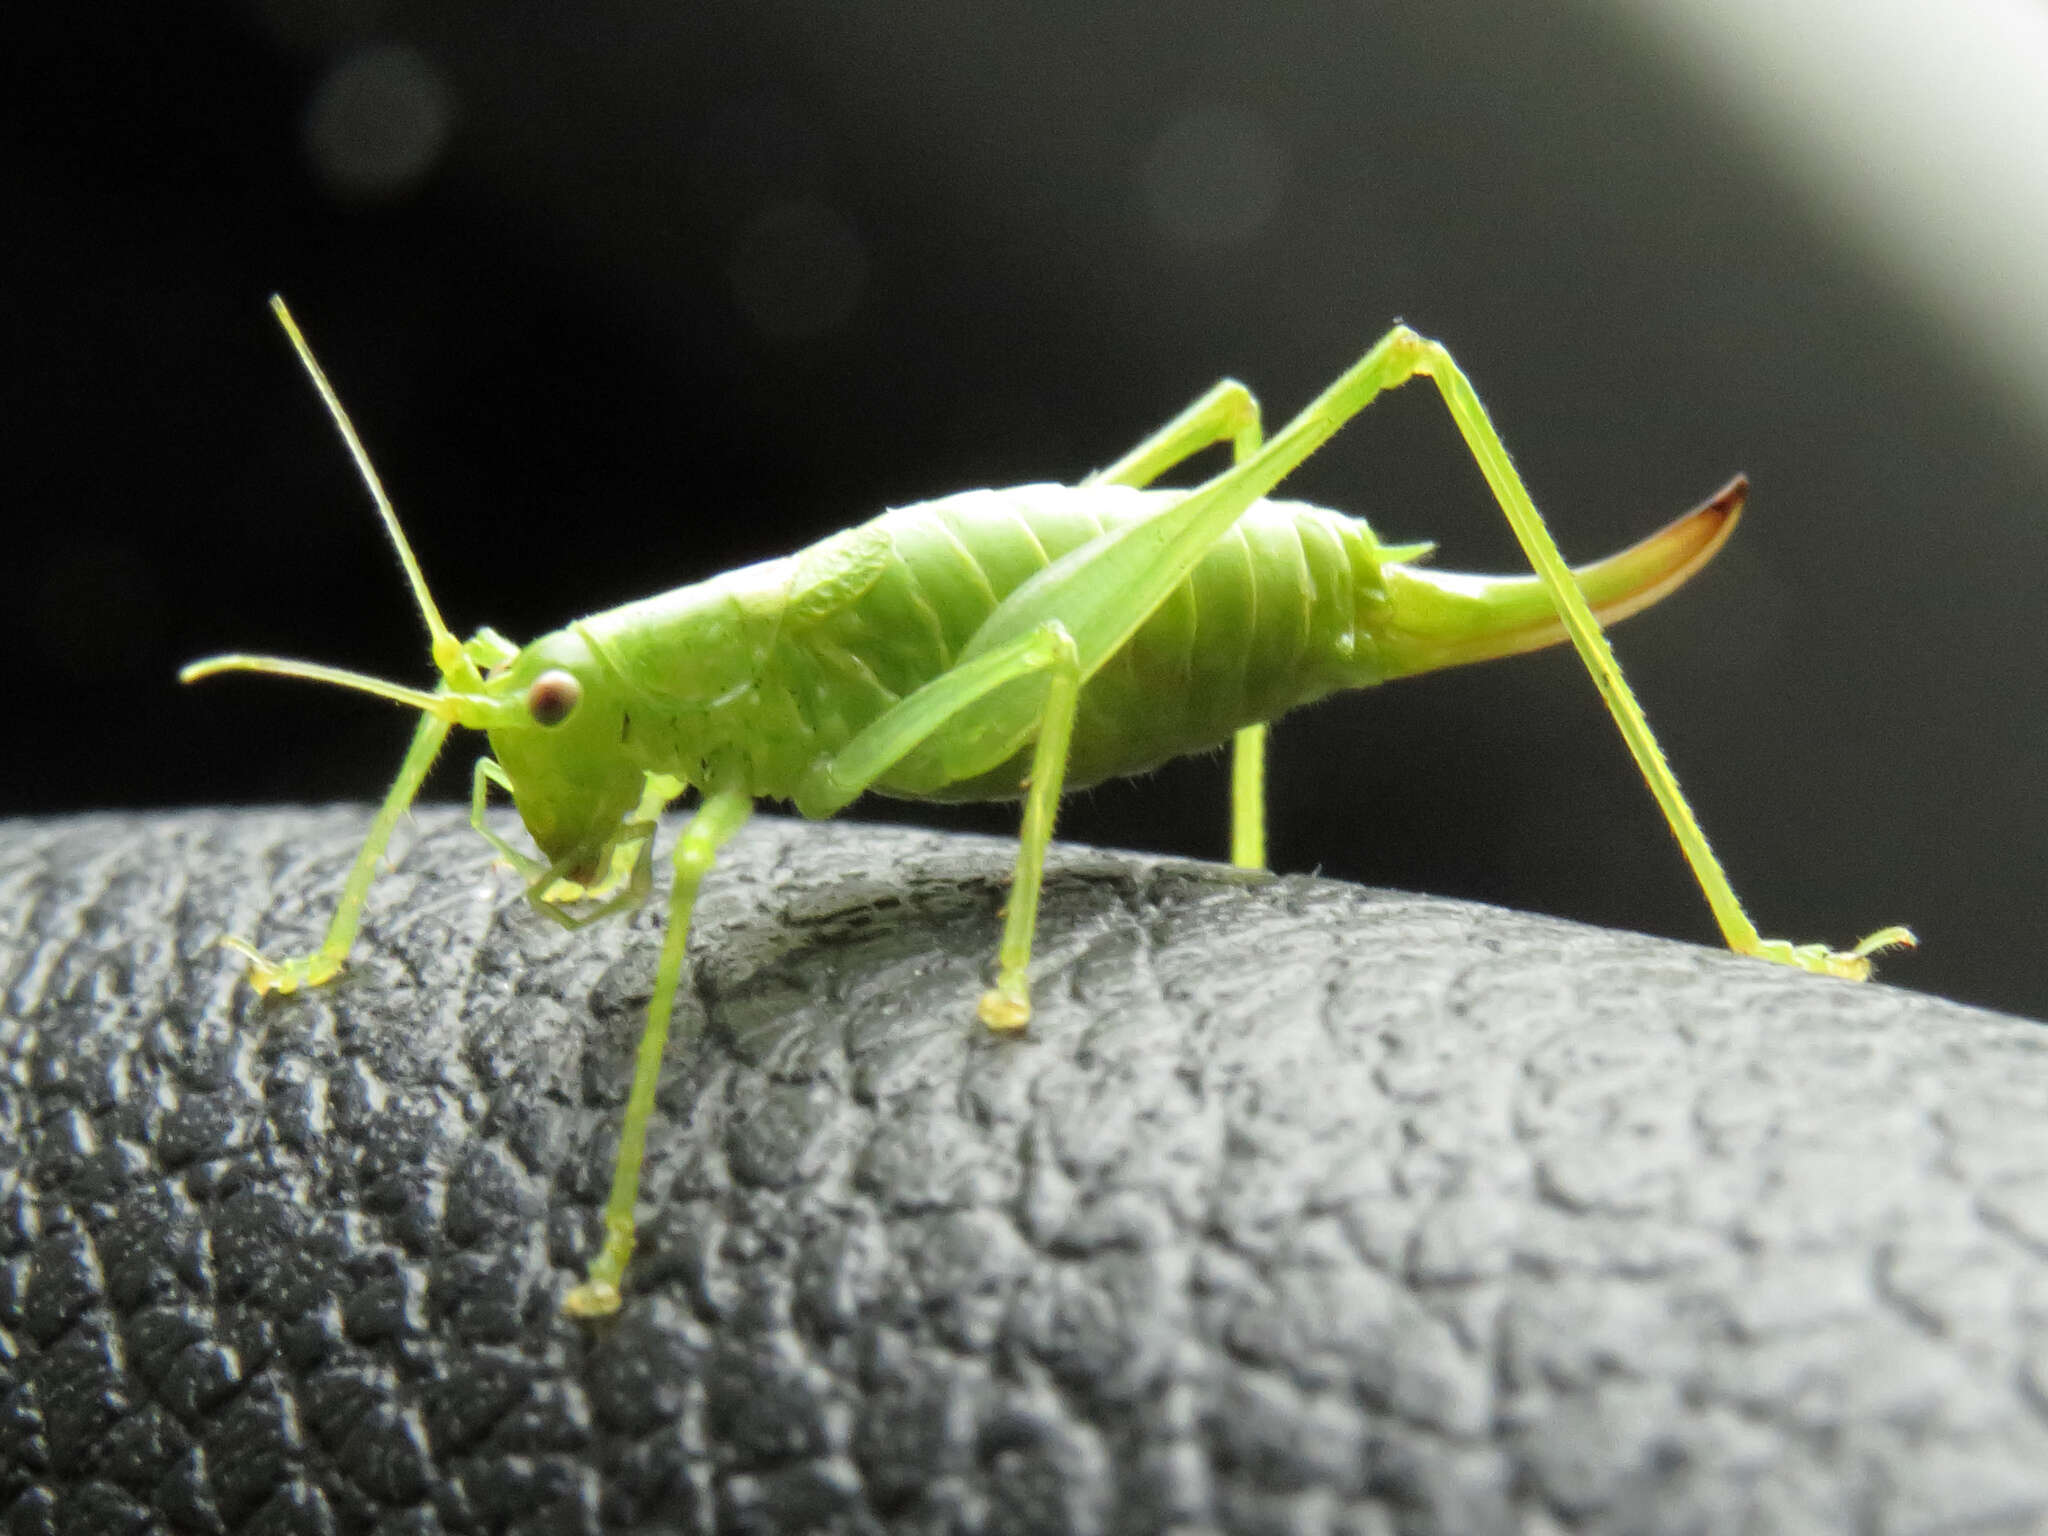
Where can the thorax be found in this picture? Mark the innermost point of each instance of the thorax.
(690, 663)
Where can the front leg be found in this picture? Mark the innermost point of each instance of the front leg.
(296, 971)
(488, 772)
(717, 819)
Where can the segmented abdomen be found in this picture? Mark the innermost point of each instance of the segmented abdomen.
(1276, 614)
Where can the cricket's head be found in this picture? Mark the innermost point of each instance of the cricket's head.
(550, 708)
(560, 725)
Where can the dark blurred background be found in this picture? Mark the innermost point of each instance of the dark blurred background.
(626, 294)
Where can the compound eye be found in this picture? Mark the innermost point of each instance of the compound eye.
(553, 697)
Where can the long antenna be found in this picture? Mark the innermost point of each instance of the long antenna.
(448, 654)
(438, 704)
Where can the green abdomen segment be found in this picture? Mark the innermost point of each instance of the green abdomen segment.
(1277, 614)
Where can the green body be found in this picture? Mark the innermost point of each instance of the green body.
(746, 680)
(743, 680)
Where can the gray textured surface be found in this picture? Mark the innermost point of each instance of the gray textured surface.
(1303, 1207)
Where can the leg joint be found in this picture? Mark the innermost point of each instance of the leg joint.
(694, 856)
(1056, 646)
(1419, 349)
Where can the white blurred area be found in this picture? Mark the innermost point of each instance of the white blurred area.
(1922, 127)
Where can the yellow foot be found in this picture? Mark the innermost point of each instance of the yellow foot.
(591, 1299)
(1006, 1010)
(286, 975)
(598, 1295)
(1849, 965)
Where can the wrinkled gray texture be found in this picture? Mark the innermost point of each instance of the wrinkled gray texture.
(1302, 1207)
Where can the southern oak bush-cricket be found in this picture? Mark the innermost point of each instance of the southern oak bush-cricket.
(991, 645)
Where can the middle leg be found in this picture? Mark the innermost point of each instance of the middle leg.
(1228, 412)
(958, 726)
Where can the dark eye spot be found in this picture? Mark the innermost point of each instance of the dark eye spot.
(553, 697)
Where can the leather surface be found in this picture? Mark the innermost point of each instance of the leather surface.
(1302, 1207)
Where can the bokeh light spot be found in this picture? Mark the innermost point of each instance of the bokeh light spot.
(378, 122)
(798, 269)
(1214, 176)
